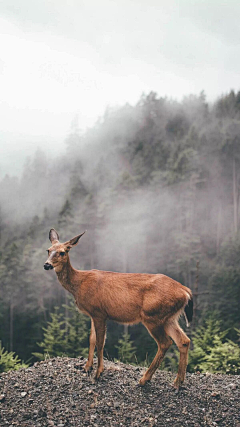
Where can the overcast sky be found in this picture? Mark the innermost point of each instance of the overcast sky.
(62, 58)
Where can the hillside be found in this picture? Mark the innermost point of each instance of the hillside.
(58, 393)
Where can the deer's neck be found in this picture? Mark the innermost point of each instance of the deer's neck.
(67, 277)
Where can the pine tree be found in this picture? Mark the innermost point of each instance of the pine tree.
(9, 360)
(13, 286)
(64, 336)
(212, 351)
(54, 343)
(126, 349)
(76, 333)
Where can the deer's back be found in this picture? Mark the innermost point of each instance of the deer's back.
(127, 297)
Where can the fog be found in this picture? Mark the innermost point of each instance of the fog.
(59, 60)
(150, 184)
(156, 185)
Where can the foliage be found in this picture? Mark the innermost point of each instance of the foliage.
(77, 326)
(54, 343)
(212, 351)
(64, 336)
(225, 282)
(126, 349)
(158, 189)
(9, 361)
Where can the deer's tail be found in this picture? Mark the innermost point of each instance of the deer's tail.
(188, 310)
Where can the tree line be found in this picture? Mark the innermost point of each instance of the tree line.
(157, 187)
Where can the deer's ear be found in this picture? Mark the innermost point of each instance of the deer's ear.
(74, 241)
(53, 235)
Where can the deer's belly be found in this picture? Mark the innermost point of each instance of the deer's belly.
(124, 314)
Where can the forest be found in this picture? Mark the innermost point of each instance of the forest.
(157, 187)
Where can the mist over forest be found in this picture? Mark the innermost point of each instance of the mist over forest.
(156, 185)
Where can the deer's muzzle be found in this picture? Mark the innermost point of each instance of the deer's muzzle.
(47, 266)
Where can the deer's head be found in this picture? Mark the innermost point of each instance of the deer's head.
(58, 252)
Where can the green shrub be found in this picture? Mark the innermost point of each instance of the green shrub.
(64, 336)
(8, 360)
(126, 350)
(212, 351)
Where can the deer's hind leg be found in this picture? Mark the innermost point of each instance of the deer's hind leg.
(183, 342)
(163, 341)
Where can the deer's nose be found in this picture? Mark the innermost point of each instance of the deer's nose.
(47, 266)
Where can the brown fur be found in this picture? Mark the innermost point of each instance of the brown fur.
(153, 299)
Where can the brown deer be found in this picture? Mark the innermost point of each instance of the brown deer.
(153, 299)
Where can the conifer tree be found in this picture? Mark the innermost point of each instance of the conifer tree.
(9, 360)
(54, 342)
(212, 351)
(64, 337)
(126, 349)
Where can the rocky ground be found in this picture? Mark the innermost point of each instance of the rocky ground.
(58, 393)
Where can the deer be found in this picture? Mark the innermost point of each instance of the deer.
(155, 300)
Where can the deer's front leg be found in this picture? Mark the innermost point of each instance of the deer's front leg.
(92, 344)
(100, 328)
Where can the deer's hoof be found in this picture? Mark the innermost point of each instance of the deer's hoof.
(177, 383)
(142, 382)
(98, 374)
(88, 368)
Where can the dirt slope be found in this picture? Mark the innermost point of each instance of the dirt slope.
(58, 393)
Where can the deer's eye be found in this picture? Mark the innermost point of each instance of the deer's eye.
(62, 253)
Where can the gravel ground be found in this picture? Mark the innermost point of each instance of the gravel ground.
(59, 393)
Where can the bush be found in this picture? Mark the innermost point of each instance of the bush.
(64, 336)
(8, 360)
(126, 350)
(212, 351)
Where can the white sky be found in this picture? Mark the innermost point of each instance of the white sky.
(59, 58)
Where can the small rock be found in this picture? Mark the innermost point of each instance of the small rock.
(2, 397)
(215, 394)
(116, 404)
(23, 394)
(232, 386)
(78, 365)
(42, 413)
